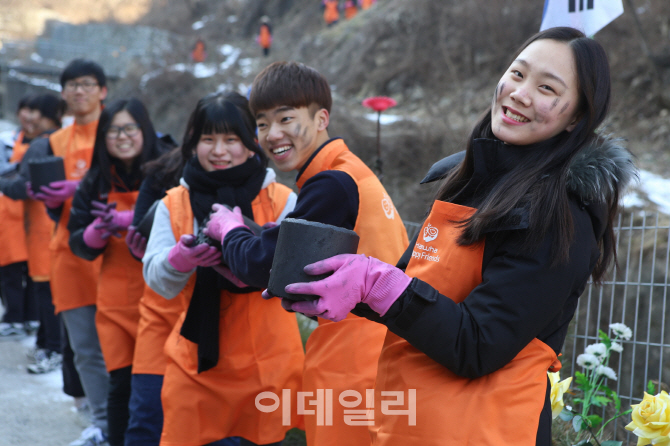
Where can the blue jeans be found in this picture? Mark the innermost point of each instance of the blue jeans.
(146, 411)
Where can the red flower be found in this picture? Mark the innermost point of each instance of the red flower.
(379, 103)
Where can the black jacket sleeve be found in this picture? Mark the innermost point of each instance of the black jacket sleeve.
(80, 218)
(522, 296)
(329, 197)
(15, 187)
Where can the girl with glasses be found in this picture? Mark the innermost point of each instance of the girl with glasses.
(102, 210)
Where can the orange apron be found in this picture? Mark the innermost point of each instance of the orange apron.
(120, 288)
(350, 11)
(331, 14)
(260, 351)
(74, 281)
(502, 408)
(12, 232)
(343, 356)
(366, 4)
(39, 230)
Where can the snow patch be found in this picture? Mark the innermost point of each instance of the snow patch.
(384, 119)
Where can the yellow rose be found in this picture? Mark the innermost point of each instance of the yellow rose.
(557, 391)
(651, 420)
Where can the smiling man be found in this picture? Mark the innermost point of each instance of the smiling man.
(292, 104)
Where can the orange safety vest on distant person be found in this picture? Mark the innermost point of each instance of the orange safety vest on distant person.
(366, 4)
(74, 281)
(12, 231)
(264, 36)
(350, 10)
(331, 13)
(120, 287)
(343, 356)
(502, 408)
(260, 350)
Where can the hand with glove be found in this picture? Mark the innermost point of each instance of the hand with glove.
(185, 256)
(96, 237)
(136, 242)
(57, 192)
(222, 221)
(111, 220)
(356, 278)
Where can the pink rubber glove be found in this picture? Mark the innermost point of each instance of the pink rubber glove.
(228, 275)
(184, 257)
(57, 192)
(29, 191)
(111, 219)
(94, 237)
(222, 221)
(136, 243)
(356, 278)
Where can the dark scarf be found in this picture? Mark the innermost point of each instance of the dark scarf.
(237, 186)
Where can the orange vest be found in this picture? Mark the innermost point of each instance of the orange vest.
(350, 11)
(366, 4)
(120, 287)
(502, 408)
(331, 14)
(12, 232)
(260, 351)
(264, 37)
(74, 281)
(343, 356)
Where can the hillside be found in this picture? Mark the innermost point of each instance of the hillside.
(439, 60)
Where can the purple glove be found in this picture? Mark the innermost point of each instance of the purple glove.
(356, 278)
(111, 219)
(29, 191)
(270, 225)
(184, 256)
(228, 275)
(57, 192)
(136, 243)
(94, 237)
(222, 221)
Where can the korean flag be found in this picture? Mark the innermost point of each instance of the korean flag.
(589, 16)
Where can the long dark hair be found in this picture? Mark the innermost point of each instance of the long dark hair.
(539, 181)
(101, 164)
(221, 113)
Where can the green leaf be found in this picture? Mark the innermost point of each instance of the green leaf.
(651, 388)
(606, 339)
(594, 420)
(611, 443)
(578, 423)
(617, 402)
(582, 382)
(599, 400)
(566, 415)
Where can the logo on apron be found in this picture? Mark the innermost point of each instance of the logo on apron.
(430, 233)
(388, 207)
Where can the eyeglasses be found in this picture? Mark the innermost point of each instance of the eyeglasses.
(87, 86)
(129, 129)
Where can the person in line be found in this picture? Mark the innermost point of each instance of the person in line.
(20, 306)
(520, 222)
(84, 88)
(47, 355)
(331, 12)
(102, 211)
(292, 105)
(157, 314)
(229, 345)
(350, 9)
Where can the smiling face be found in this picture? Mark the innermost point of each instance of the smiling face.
(289, 135)
(221, 151)
(83, 96)
(538, 96)
(124, 138)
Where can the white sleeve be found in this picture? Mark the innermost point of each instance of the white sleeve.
(290, 205)
(158, 273)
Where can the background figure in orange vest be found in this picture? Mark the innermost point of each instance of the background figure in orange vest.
(46, 356)
(102, 211)
(331, 11)
(366, 4)
(20, 306)
(264, 38)
(199, 53)
(73, 279)
(350, 9)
